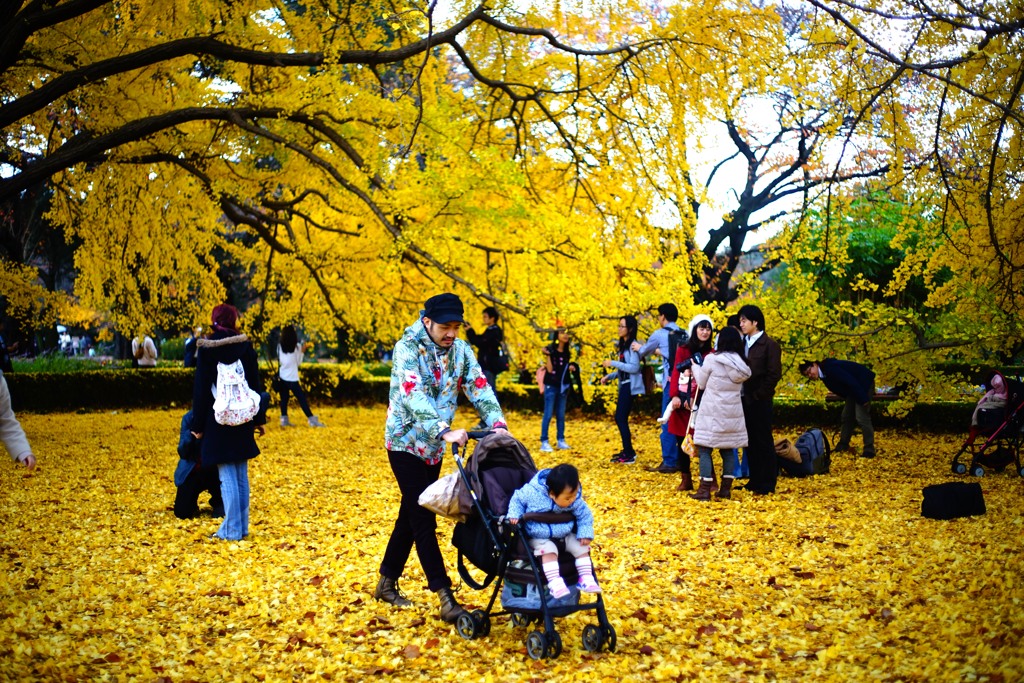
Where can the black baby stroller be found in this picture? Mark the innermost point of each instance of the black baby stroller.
(498, 466)
(999, 420)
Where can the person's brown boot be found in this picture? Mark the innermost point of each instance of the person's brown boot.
(703, 491)
(450, 608)
(726, 490)
(686, 484)
(387, 591)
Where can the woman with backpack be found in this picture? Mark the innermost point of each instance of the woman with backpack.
(289, 358)
(229, 447)
(631, 383)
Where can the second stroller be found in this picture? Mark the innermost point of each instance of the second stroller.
(999, 420)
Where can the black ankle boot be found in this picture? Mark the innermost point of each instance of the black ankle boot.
(387, 591)
(450, 608)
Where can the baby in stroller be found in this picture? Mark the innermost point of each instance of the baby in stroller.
(557, 490)
(999, 419)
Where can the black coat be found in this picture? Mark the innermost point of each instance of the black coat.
(848, 379)
(489, 345)
(221, 443)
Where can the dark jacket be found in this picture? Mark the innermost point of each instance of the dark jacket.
(848, 379)
(221, 443)
(188, 445)
(489, 345)
(190, 352)
(559, 377)
(765, 361)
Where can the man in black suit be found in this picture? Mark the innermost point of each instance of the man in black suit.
(764, 355)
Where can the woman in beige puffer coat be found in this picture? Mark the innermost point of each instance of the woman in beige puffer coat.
(719, 422)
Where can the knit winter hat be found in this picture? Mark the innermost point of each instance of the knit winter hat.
(697, 319)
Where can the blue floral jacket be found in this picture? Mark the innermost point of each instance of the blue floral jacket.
(425, 384)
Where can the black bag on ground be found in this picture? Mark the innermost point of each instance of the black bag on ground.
(815, 455)
(952, 500)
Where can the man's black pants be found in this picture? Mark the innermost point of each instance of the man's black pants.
(415, 525)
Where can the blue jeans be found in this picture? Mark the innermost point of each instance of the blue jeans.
(707, 470)
(234, 489)
(554, 404)
(669, 442)
(742, 465)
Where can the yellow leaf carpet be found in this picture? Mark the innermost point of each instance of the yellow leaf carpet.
(835, 578)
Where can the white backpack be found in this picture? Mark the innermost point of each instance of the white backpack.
(234, 402)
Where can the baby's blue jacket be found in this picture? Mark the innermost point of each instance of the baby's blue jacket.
(533, 497)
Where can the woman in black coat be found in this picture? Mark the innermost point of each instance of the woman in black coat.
(228, 447)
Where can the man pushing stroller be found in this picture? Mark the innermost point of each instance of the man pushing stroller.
(431, 365)
(558, 490)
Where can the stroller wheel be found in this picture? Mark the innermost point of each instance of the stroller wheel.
(466, 626)
(959, 468)
(977, 471)
(520, 619)
(482, 621)
(593, 638)
(554, 647)
(609, 637)
(535, 645)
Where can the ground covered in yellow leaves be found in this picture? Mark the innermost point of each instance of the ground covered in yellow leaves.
(837, 577)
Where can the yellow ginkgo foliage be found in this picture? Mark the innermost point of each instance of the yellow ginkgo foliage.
(835, 577)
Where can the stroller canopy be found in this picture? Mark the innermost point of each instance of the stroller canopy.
(507, 464)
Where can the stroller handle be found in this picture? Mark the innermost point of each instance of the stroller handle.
(477, 435)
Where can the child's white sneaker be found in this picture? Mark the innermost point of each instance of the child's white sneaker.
(562, 445)
(545, 447)
(588, 585)
(558, 588)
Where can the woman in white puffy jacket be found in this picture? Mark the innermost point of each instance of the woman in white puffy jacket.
(719, 422)
(289, 357)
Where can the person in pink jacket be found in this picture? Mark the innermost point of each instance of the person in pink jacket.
(719, 422)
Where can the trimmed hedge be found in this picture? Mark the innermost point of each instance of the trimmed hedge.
(172, 386)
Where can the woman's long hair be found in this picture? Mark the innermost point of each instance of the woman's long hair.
(555, 343)
(695, 344)
(289, 339)
(631, 328)
(730, 339)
